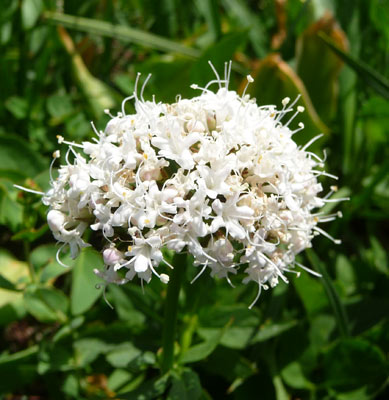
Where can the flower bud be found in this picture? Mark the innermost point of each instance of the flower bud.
(112, 256)
(56, 220)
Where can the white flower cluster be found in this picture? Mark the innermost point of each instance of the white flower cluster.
(215, 176)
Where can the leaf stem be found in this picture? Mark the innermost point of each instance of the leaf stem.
(171, 310)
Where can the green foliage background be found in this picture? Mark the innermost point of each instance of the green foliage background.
(61, 64)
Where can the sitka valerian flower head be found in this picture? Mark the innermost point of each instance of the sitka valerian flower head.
(216, 176)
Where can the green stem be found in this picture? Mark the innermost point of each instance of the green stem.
(171, 309)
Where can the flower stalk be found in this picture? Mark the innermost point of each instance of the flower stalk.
(171, 311)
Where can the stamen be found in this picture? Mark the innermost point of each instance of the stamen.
(327, 235)
(311, 271)
(312, 141)
(216, 74)
(249, 80)
(143, 87)
(257, 296)
(29, 190)
(200, 273)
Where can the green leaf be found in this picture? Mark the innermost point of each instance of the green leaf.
(378, 256)
(18, 369)
(97, 93)
(54, 356)
(11, 302)
(185, 386)
(210, 11)
(123, 33)
(84, 292)
(318, 67)
(16, 155)
(372, 78)
(124, 307)
(321, 328)
(43, 258)
(333, 297)
(202, 350)
(18, 106)
(46, 304)
(274, 80)
(240, 11)
(7, 285)
(345, 274)
(148, 390)
(293, 376)
(31, 10)
(86, 350)
(59, 106)
(311, 292)
(23, 356)
(118, 379)
(379, 14)
(11, 212)
(122, 355)
(352, 363)
(268, 331)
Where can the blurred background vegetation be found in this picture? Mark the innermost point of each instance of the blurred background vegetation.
(61, 64)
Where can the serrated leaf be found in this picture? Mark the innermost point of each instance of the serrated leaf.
(84, 281)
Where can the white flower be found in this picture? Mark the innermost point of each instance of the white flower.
(215, 175)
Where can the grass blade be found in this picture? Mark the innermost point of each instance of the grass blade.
(123, 33)
(376, 81)
(336, 303)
